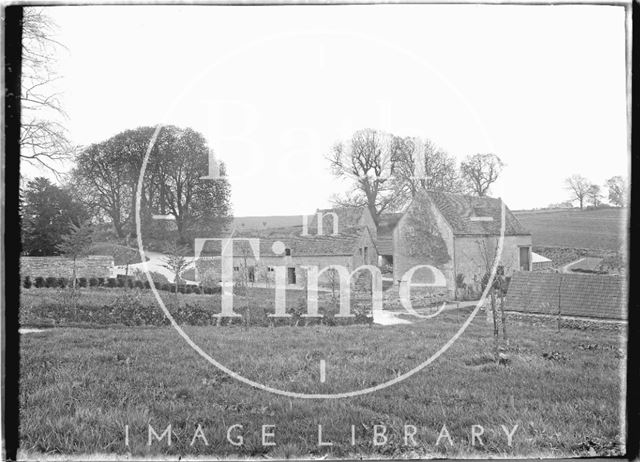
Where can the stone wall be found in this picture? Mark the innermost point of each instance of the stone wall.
(471, 253)
(93, 266)
(543, 266)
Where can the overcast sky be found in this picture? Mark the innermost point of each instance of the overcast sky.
(272, 88)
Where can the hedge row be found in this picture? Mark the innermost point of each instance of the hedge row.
(132, 310)
(58, 282)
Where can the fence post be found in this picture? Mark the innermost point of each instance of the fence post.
(559, 300)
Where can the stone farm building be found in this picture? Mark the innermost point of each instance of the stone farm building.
(457, 234)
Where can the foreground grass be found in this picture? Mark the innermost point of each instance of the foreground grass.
(80, 387)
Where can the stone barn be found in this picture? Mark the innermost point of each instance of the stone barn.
(457, 234)
(351, 247)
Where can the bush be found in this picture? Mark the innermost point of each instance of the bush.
(93, 282)
(172, 289)
(139, 284)
(189, 290)
(181, 289)
(82, 282)
(158, 278)
(51, 282)
(130, 283)
(121, 282)
(112, 283)
(212, 290)
(166, 287)
(62, 282)
(101, 282)
(147, 285)
(197, 290)
(26, 283)
(39, 282)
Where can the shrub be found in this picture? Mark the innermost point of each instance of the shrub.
(139, 284)
(189, 290)
(196, 290)
(112, 282)
(51, 282)
(39, 282)
(62, 282)
(130, 283)
(93, 282)
(147, 285)
(181, 289)
(101, 282)
(166, 287)
(172, 289)
(158, 278)
(211, 290)
(82, 282)
(121, 282)
(27, 283)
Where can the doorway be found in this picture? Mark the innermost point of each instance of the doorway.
(525, 258)
(291, 275)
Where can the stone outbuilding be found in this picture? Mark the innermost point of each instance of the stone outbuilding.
(351, 247)
(457, 234)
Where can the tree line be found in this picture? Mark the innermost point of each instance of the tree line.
(386, 171)
(583, 191)
(103, 185)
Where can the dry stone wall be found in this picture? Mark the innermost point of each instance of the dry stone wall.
(93, 266)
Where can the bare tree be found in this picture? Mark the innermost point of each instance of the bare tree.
(488, 251)
(617, 191)
(76, 244)
(594, 196)
(366, 160)
(421, 164)
(578, 186)
(480, 171)
(43, 138)
(176, 262)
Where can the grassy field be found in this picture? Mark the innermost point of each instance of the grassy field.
(80, 387)
(589, 229)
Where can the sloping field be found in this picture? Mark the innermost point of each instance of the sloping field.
(588, 229)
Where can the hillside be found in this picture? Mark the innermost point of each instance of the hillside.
(587, 229)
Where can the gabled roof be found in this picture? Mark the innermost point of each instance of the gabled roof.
(587, 295)
(343, 243)
(348, 217)
(388, 222)
(468, 215)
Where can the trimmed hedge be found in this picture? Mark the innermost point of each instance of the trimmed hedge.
(131, 309)
(114, 283)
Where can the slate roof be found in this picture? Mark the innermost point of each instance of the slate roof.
(579, 295)
(459, 210)
(344, 243)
